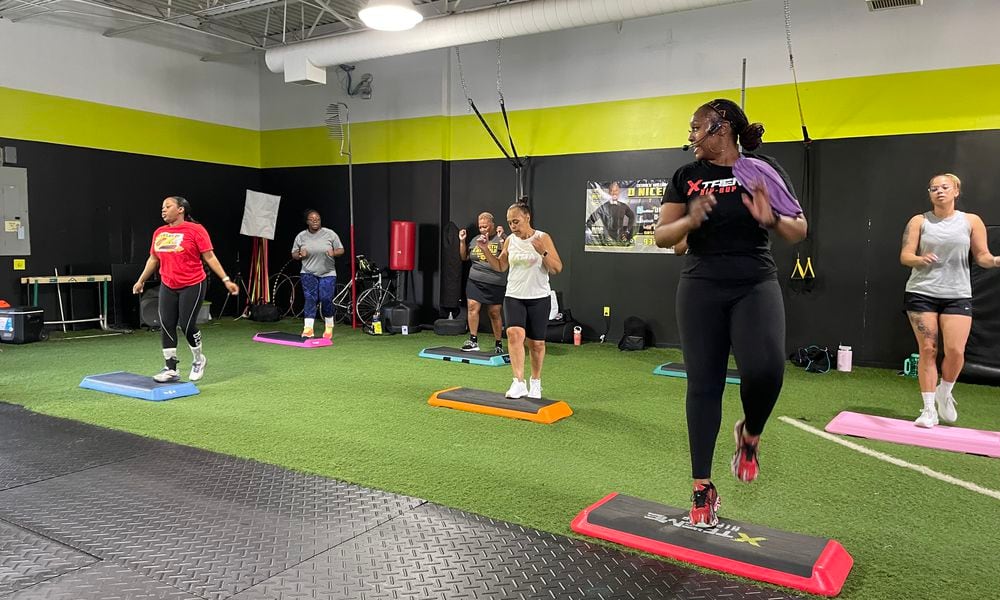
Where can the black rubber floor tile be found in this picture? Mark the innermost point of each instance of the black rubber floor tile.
(440, 553)
(34, 447)
(27, 558)
(205, 523)
(102, 581)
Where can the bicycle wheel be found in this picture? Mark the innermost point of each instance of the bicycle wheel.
(283, 293)
(375, 299)
(342, 303)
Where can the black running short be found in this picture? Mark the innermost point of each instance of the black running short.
(919, 303)
(484, 293)
(532, 315)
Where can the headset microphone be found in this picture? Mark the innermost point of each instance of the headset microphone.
(711, 129)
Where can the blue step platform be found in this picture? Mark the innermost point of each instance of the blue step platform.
(138, 386)
(672, 369)
(486, 359)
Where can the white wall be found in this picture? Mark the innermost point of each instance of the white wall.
(403, 87)
(83, 64)
(671, 54)
(684, 52)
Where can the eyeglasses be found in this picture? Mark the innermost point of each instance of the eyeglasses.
(935, 188)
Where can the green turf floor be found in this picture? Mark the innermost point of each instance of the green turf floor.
(358, 412)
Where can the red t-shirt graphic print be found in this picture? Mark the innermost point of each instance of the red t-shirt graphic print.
(178, 248)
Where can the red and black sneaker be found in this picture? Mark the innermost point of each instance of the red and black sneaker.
(705, 506)
(745, 465)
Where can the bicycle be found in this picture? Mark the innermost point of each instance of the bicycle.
(376, 298)
(372, 293)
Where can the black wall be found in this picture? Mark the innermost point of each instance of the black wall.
(864, 190)
(91, 209)
(408, 191)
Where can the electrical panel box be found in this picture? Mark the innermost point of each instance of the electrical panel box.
(15, 237)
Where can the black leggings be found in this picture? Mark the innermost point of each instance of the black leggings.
(714, 316)
(179, 308)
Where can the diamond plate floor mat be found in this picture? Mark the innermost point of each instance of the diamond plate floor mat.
(434, 552)
(205, 523)
(34, 447)
(171, 522)
(27, 558)
(102, 581)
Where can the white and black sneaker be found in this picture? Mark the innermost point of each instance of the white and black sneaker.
(499, 350)
(198, 368)
(470, 346)
(167, 375)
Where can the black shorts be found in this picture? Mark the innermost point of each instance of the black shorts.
(484, 293)
(532, 315)
(919, 303)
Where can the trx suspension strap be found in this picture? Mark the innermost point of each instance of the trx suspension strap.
(516, 161)
(804, 274)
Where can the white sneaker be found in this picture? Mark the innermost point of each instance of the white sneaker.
(535, 388)
(946, 408)
(517, 389)
(198, 368)
(928, 418)
(167, 376)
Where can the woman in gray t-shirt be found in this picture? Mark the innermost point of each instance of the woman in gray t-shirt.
(316, 246)
(936, 246)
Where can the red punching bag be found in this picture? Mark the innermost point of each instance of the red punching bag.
(402, 245)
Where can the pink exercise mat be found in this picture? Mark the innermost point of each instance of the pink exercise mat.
(942, 437)
(291, 339)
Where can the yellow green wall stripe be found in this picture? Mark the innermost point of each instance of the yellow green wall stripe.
(45, 118)
(962, 99)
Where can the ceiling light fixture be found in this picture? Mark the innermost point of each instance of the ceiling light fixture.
(390, 15)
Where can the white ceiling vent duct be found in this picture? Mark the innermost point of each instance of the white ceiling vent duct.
(508, 21)
(880, 5)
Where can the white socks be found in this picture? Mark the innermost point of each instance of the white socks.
(328, 322)
(928, 400)
(195, 353)
(310, 323)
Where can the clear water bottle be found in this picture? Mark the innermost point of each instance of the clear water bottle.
(377, 323)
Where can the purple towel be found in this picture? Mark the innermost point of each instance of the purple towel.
(752, 173)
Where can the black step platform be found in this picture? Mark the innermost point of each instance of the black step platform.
(811, 564)
(140, 519)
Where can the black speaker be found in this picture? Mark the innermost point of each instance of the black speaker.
(149, 308)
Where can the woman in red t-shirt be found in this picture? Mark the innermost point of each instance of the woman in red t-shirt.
(178, 249)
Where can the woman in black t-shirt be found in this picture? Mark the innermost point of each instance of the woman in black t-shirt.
(728, 294)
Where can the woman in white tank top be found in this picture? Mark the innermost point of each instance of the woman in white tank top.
(528, 256)
(936, 246)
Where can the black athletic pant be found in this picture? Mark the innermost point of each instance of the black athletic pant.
(179, 308)
(712, 317)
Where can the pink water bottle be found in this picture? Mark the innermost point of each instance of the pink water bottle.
(577, 335)
(844, 357)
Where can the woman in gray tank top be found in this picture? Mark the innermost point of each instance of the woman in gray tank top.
(938, 298)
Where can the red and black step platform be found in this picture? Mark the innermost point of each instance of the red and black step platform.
(811, 564)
